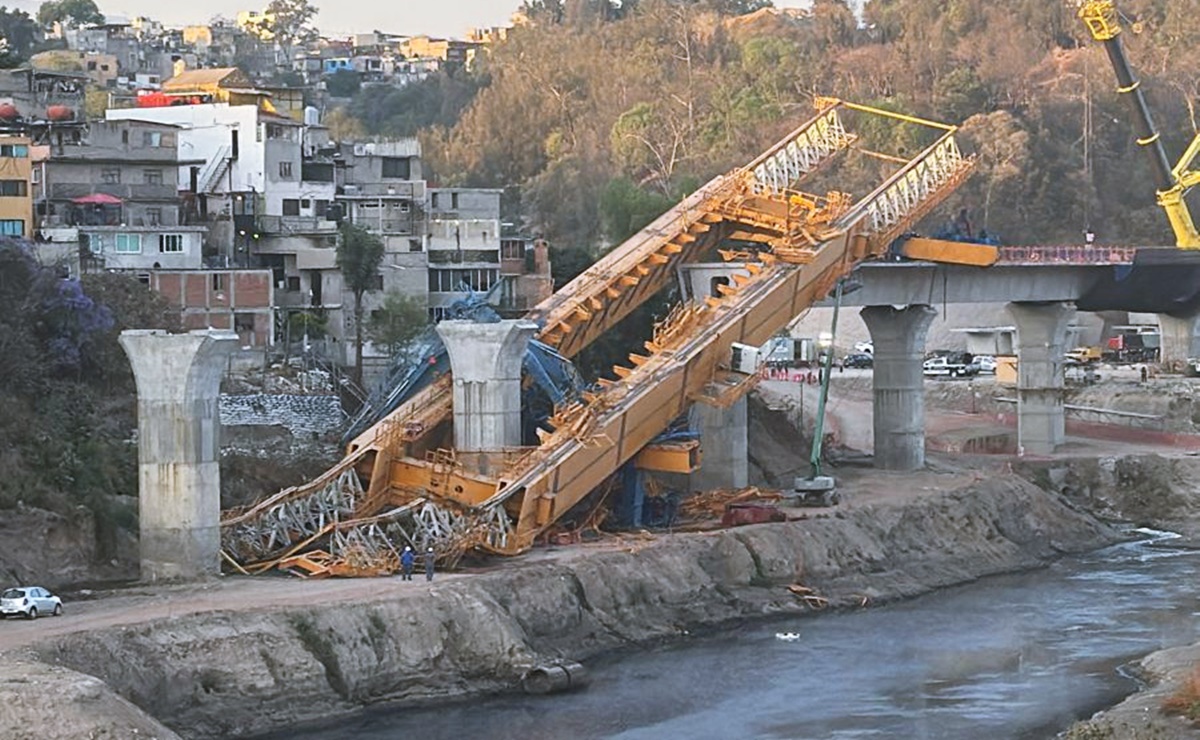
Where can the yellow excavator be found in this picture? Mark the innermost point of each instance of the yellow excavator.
(1172, 183)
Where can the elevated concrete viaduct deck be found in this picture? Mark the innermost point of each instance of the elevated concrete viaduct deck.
(1042, 286)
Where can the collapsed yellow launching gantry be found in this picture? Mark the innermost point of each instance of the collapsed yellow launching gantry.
(400, 483)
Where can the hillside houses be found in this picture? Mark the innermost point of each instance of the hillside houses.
(216, 184)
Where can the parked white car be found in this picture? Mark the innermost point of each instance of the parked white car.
(865, 347)
(29, 602)
(985, 363)
(947, 366)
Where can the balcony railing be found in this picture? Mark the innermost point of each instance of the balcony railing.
(295, 225)
(132, 191)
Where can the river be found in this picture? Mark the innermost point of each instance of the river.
(1015, 656)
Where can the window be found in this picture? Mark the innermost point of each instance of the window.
(293, 284)
(153, 216)
(320, 208)
(91, 66)
(512, 249)
(451, 281)
(285, 170)
(128, 244)
(434, 201)
(93, 243)
(151, 138)
(404, 206)
(35, 175)
(396, 168)
(377, 283)
(12, 227)
(291, 207)
(454, 201)
(170, 243)
(218, 282)
(415, 245)
(14, 188)
(152, 177)
(14, 150)
(305, 204)
(110, 176)
(243, 323)
(275, 131)
(125, 136)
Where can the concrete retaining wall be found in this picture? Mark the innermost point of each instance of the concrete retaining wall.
(301, 415)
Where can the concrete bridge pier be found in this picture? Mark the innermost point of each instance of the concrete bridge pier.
(1178, 339)
(486, 360)
(1041, 345)
(899, 384)
(725, 444)
(179, 479)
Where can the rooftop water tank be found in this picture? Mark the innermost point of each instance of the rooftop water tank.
(312, 116)
(59, 113)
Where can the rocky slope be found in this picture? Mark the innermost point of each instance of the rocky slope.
(257, 669)
(53, 703)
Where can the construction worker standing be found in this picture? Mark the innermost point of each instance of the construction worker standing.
(429, 558)
(406, 561)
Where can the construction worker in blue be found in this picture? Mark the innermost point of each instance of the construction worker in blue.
(429, 558)
(406, 561)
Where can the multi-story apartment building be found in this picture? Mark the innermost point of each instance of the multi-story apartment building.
(115, 196)
(16, 199)
(463, 245)
(264, 203)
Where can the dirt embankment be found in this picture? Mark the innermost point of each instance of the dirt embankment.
(222, 674)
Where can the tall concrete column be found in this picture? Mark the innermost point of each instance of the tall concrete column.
(179, 479)
(725, 446)
(1041, 344)
(898, 335)
(486, 361)
(1178, 339)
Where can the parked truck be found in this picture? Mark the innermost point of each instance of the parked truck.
(1084, 355)
(1133, 344)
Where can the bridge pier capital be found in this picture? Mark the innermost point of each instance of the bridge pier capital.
(486, 360)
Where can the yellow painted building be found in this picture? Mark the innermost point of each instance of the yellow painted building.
(16, 198)
(256, 23)
(197, 35)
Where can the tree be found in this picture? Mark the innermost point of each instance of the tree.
(343, 126)
(344, 83)
(399, 321)
(359, 254)
(73, 13)
(288, 21)
(20, 34)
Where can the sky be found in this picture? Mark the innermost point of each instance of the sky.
(338, 17)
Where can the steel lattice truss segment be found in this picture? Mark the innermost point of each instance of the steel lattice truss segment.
(801, 153)
(293, 518)
(921, 179)
(362, 533)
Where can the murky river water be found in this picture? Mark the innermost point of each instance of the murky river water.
(1018, 656)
